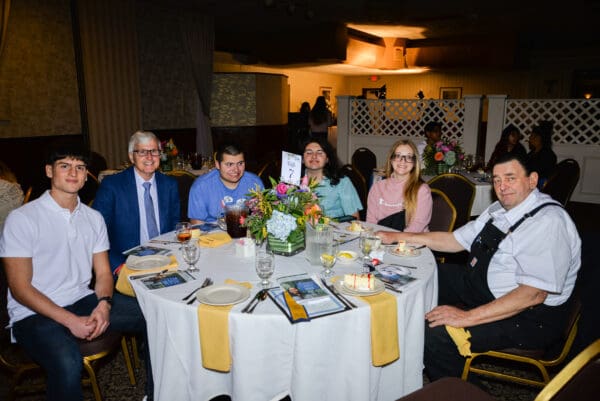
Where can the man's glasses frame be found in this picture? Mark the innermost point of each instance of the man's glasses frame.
(146, 152)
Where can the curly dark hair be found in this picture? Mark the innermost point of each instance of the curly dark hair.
(331, 169)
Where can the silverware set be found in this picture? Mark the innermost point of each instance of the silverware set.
(190, 297)
(349, 304)
(258, 298)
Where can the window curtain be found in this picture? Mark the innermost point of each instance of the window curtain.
(4, 11)
(198, 37)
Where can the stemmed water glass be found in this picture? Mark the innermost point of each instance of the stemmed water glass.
(328, 258)
(265, 265)
(191, 254)
(183, 232)
(368, 242)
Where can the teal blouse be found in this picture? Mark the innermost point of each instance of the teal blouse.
(339, 200)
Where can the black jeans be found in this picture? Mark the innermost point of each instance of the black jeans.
(56, 350)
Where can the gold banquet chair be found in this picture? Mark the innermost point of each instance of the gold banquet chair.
(538, 358)
(14, 361)
(443, 212)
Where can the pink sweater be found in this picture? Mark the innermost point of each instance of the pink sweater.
(386, 197)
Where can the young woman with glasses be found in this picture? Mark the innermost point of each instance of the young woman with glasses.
(402, 200)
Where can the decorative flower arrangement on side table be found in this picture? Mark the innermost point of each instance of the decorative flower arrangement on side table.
(169, 153)
(441, 156)
(280, 214)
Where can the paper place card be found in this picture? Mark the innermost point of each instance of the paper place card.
(291, 167)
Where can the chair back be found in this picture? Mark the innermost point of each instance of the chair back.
(360, 184)
(443, 212)
(364, 160)
(459, 190)
(578, 380)
(185, 179)
(562, 182)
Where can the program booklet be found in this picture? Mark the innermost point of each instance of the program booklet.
(144, 250)
(393, 276)
(316, 300)
(155, 281)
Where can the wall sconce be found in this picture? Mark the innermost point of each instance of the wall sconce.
(587, 95)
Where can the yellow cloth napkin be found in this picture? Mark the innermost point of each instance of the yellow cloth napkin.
(213, 326)
(384, 328)
(460, 337)
(297, 311)
(214, 240)
(124, 286)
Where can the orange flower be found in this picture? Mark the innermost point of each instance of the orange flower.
(439, 156)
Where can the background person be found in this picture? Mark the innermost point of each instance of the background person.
(134, 214)
(433, 134)
(337, 195)
(50, 246)
(509, 143)
(402, 200)
(320, 118)
(541, 158)
(515, 291)
(228, 183)
(11, 194)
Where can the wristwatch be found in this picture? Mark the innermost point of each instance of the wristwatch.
(107, 299)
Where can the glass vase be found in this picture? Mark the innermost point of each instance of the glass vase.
(286, 248)
(166, 165)
(442, 168)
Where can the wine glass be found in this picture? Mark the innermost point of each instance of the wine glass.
(191, 253)
(183, 232)
(368, 242)
(265, 265)
(328, 258)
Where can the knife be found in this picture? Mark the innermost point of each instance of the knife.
(193, 292)
(339, 296)
(149, 274)
(252, 301)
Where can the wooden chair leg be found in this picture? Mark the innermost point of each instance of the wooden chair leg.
(128, 360)
(134, 350)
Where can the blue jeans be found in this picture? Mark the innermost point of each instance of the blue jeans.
(56, 350)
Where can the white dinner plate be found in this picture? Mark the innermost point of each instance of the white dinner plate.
(410, 252)
(377, 289)
(147, 262)
(223, 294)
(346, 257)
(362, 228)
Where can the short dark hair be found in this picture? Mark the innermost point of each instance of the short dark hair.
(508, 157)
(432, 126)
(232, 149)
(68, 151)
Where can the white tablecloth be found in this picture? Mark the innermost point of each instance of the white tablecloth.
(328, 358)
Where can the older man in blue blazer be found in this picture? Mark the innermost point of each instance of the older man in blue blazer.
(138, 203)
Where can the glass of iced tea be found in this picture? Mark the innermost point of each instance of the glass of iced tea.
(183, 232)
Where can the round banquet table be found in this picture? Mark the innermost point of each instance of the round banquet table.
(327, 358)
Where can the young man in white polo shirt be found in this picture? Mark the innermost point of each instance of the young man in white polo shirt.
(50, 247)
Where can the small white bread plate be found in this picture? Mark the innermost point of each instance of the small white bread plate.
(147, 262)
(378, 288)
(223, 294)
(409, 252)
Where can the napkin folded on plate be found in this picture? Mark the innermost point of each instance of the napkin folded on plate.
(384, 328)
(297, 311)
(124, 286)
(214, 240)
(213, 326)
(460, 337)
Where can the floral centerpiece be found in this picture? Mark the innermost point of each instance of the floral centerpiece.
(169, 153)
(442, 155)
(279, 214)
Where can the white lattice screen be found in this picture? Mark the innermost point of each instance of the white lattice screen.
(406, 117)
(576, 121)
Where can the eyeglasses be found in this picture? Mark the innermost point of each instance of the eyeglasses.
(318, 153)
(228, 165)
(404, 158)
(146, 152)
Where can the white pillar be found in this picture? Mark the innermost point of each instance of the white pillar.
(343, 128)
(471, 124)
(495, 122)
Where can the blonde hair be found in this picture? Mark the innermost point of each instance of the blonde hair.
(411, 188)
(6, 173)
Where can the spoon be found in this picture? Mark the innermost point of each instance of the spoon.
(262, 296)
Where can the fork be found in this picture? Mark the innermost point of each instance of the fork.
(193, 292)
(206, 283)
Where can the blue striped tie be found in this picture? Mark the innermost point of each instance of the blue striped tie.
(149, 206)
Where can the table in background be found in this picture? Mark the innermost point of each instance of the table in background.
(328, 358)
(484, 193)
